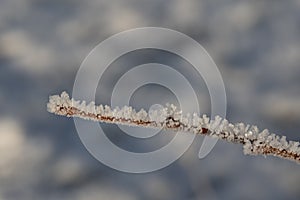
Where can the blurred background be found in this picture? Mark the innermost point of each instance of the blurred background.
(255, 44)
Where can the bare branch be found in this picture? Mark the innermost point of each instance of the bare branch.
(254, 142)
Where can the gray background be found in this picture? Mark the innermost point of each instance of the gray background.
(255, 44)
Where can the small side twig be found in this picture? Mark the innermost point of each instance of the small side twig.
(254, 142)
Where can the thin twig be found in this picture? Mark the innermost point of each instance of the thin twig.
(254, 142)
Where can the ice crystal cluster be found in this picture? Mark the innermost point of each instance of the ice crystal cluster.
(254, 141)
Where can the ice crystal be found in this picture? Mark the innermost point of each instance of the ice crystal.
(253, 140)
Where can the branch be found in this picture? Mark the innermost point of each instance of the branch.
(254, 142)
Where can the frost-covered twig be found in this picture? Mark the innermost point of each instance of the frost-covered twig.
(254, 142)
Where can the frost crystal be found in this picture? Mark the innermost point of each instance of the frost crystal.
(169, 117)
